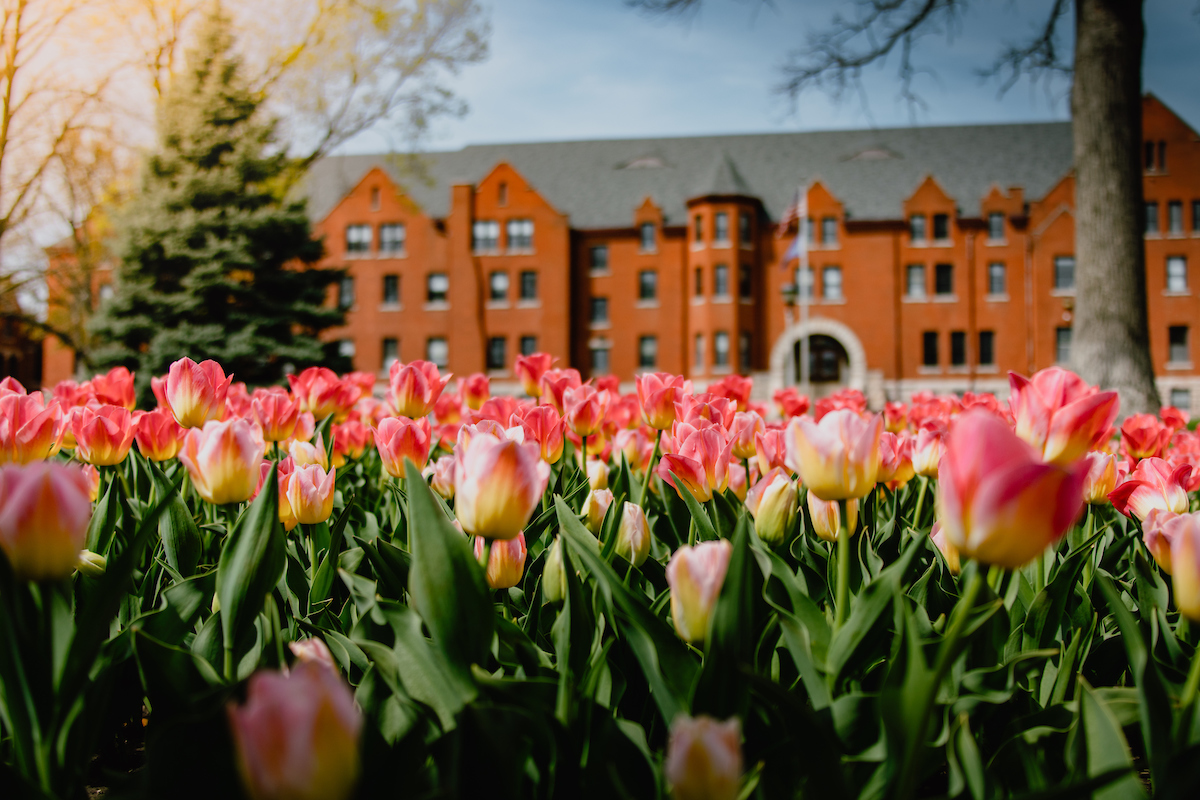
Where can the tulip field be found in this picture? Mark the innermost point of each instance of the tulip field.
(328, 592)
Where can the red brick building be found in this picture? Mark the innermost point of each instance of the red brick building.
(939, 257)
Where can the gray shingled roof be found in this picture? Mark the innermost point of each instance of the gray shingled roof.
(600, 183)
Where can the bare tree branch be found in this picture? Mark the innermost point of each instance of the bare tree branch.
(1041, 56)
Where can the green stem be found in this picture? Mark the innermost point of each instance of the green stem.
(1190, 686)
(843, 568)
(916, 521)
(691, 532)
(486, 556)
(649, 470)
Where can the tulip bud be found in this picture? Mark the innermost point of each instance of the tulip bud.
(223, 460)
(306, 453)
(195, 392)
(704, 758)
(277, 414)
(948, 550)
(595, 507)
(296, 737)
(44, 516)
(1059, 415)
(443, 476)
(497, 485)
(415, 388)
(475, 390)
(695, 576)
(1185, 562)
(826, 517)
(658, 392)
(746, 426)
(554, 576)
(91, 564)
(398, 438)
(585, 409)
(530, 369)
(1158, 530)
(102, 435)
(158, 435)
(30, 430)
(772, 503)
(283, 472)
(506, 561)
(1101, 477)
(310, 493)
(322, 393)
(928, 450)
(597, 472)
(312, 651)
(633, 535)
(115, 388)
(838, 457)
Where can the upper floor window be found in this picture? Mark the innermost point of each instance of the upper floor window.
(346, 348)
(1062, 345)
(520, 234)
(721, 228)
(601, 360)
(1177, 337)
(745, 229)
(745, 354)
(392, 237)
(391, 290)
(598, 258)
(647, 238)
(1064, 272)
(528, 345)
(498, 286)
(1151, 217)
(1149, 148)
(1175, 217)
(648, 352)
(996, 226)
(374, 198)
(437, 288)
(1196, 216)
(987, 348)
(914, 280)
(437, 350)
(829, 231)
(497, 355)
(502, 194)
(810, 230)
(745, 282)
(647, 285)
(1156, 157)
(485, 235)
(698, 228)
(943, 279)
(1177, 274)
(358, 238)
(831, 283)
(958, 348)
(720, 281)
(721, 349)
(529, 282)
(346, 293)
(929, 349)
(599, 314)
(941, 227)
(698, 290)
(997, 278)
(698, 353)
(916, 228)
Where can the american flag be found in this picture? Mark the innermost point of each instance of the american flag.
(791, 214)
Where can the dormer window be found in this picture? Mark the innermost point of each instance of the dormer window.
(647, 237)
(520, 234)
(502, 194)
(941, 227)
(374, 198)
(996, 226)
(916, 228)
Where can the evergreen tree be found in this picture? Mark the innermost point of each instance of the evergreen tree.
(214, 264)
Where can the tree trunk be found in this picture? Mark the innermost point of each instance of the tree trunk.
(1111, 344)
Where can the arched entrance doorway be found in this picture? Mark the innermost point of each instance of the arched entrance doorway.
(837, 358)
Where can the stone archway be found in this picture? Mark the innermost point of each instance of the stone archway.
(781, 351)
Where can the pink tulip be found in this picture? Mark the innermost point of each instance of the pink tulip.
(398, 438)
(928, 449)
(1185, 564)
(45, 509)
(695, 576)
(948, 550)
(1158, 531)
(323, 394)
(734, 388)
(310, 493)
(305, 453)
(115, 388)
(637, 446)
(770, 448)
(851, 399)
(701, 466)
(102, 436)
(772, 502)
(276, 413)
(506, 561)
(895, 416)
(30, 430)
(838, 457)
(476, 389)
(223, 460)
(1143, 436)
(633, 535)
(544, 426)
(415, 387)
(826, 517)
(555, 384)
(658, 392)
(1102, 477)
(443, 476)
(530, 369)
(790, 402)
(158, 435)
(704, 758)
(497, 485)
(746, 426)
(585, 409)
(997, 502)
(1154, 483)
(1060, 415)
(10, 385)
(312, 651)
(350, 440)
(703, 408)
(595, 507)
(895, 459)
(296, 737)
(1174, 419)
(195, 393)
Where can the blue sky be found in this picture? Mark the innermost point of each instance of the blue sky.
(584, 69)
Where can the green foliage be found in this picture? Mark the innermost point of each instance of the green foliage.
(213, 264)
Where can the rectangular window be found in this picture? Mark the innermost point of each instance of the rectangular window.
(941, 227)
(721, 281)
(1149, 156)
(1196, 216)
(599, 311)
(698, 229)
(721, 349)
(916, 228)
(358, 238)
(745, 282)
(744, 229)
(698, 291)
(346, 348)
(437, 287)
(721, 228)
(1064, 272)
(346, 293)
(375, 198)
(391, 352)
(958, 348)
(831, 283)
(1177, 274)
(529, 280)
(648, 352)
(996, 226)
(528, 345)
(392, 237)
(804, 282)
(437, 351)
(485, 236)
(1151, 217)
(810, 231)
(997, 278)
(598, 258)
(502, 194)
(1062, 345)
(1181, 399)
(929, 353)
(745, 356)
(647, 285)
(648, 245)
(698, 353)
(600, 361)
(1175, 217)
(987, 348)
(914, 280)
(498, 286)
(829, 231)
(391, 290)
(1177, 335)
(520, 234)
(943, 279)
(497, 358)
